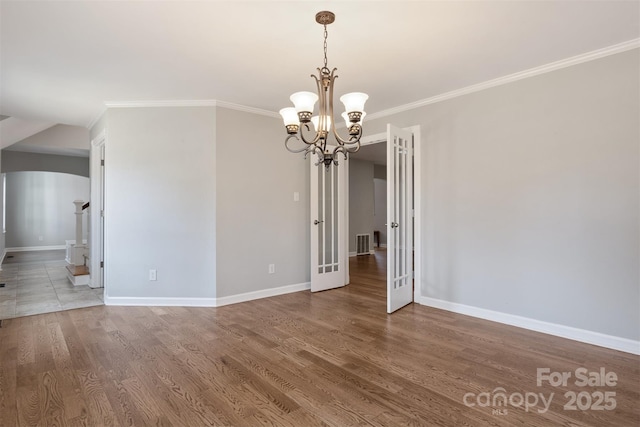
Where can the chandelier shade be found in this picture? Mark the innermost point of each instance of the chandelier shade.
(354, 101)
(304, 102)
(296, 119)
(290, 116)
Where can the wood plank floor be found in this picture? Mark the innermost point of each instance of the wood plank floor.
(333, 358)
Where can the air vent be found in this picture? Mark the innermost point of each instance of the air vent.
(362, 244)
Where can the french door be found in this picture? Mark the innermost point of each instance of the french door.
(399, 218)
(328, 226)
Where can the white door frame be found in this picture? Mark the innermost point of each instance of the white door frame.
(97, 197)
(417, 201)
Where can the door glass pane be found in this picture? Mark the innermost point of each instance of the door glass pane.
(396, 204)
(400, 220)
(328, 217)
(320, 226)
(336, 220)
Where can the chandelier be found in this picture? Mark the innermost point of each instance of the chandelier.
(296, 119)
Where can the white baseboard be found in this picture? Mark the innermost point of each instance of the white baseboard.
(266, 293)
(582, 335)
(4, 254)
(36, 248)
(206, 302)
(160, 301)
(352, 254)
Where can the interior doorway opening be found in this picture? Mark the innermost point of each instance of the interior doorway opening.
(367, 208)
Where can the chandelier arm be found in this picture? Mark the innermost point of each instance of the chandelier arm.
(309, 150)
(331, 84)
(318, 152)
(322, 105)
(334, 130)
(355, 139)
(339, 149)
(353, 145)
(314, 141)
(286, 145)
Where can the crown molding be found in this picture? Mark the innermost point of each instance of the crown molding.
(246, 109)
(568, 62)
(161, 103)
(96, 118)
(553, 66)
(190, 103)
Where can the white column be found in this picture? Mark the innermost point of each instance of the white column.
(77, 252)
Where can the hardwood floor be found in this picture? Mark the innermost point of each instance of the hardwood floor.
(331, 358)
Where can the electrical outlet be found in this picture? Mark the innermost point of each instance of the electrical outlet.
(153, 275)
(272, 268)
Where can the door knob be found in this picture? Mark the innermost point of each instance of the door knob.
(316, 222)
(394, 225)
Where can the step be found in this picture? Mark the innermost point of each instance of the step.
(78, 275)
(79, 270)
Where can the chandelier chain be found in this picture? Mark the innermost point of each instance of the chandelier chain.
(325, 45)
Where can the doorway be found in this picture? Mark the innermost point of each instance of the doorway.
(97, 236)
(374, 155)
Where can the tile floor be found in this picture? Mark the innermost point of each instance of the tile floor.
(36, 282)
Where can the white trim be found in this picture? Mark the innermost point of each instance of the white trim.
(160, 301)
(417, 212)
(191, 103)
(582, 335)
(246, 109)
(4, 254)
(266, 293)
(96, 118)
(36, 248)
(352, 254)
(373, 139)
(162, 103)
(206, 302)
(553, 66)
(96, 245)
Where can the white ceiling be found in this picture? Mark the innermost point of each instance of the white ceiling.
(61, 61)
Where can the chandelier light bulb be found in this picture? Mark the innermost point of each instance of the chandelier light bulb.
(316, 119)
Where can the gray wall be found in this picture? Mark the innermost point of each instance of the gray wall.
(531, 196)
(160, 202)
(530, 199)
(360, 201)
(258, 221)
(165, 209)
(40, 204)
(17, 161)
